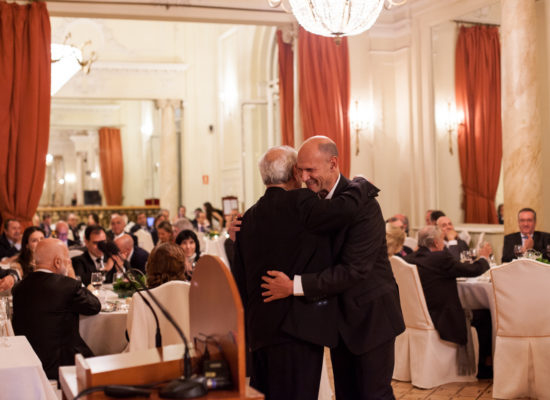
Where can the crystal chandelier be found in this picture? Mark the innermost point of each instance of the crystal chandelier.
(337, 18)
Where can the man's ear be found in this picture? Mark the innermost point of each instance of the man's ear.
(333, 162)
(58, 263)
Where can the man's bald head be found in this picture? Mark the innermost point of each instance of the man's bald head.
(125, 243)
(52, 254)
(318, 163)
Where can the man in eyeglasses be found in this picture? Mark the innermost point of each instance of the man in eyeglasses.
(92, 260)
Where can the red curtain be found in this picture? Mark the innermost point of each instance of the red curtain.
(110, 160)
(25, 42)
(477, 93)
(325, 91)
(286, 90)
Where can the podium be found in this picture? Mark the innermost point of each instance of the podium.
(215, 311)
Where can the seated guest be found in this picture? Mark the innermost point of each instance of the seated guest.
(403, 218)
(181, 212)
(154, 232)
(92, 259)
(438, 271)
(24, 263)
(46, 308)
(427, 217)
(188, 241)
(62, 233)
(214, 216)
(196, 214)
(165, 232)
(10, 244)
(117, 227)
(500, 214)
(181, 224)
(202, 224)
(395, 237)
(166, 263)
(133, 256)
(46, 225)
(453, 243)
(74, 232)
(527, 237)
(141, 223)
(93, 219)
(435, 215)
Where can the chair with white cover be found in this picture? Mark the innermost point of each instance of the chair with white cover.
(145, 240)
(522, 349)
(421, 357)
(411, 243)
(141, 326)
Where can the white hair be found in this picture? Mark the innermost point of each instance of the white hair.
(277, 165)
(428, 235)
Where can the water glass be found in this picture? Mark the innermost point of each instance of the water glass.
(518, 250)
(97, 281)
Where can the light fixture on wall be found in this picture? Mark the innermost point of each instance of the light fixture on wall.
(450, 118)
(360, 119)
(67, 60)
(336, 18)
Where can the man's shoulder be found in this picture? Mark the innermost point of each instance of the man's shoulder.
(82, 258)
(513, 235)
(138, 251)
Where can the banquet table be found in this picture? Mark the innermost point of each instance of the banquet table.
(215, 247)
(477, 293)
(104, 333)
(21, 373)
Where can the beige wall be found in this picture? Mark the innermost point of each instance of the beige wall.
(403, 68)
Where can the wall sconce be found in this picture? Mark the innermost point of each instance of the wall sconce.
(450, 118)
(360, 118)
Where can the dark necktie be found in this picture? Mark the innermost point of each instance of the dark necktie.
(323, 193)
(98, 263)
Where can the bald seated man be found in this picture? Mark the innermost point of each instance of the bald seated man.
(131, 254)
(46, 308)
(62, 233)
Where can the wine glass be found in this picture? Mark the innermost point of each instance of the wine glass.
(465, 256)
(97, 281)
(518, 250)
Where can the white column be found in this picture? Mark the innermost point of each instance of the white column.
(168, 160)
(521, 123)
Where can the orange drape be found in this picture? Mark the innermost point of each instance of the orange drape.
(286, 90)
(325, 91)
(477, 92)
(110, 160)
(25, 42)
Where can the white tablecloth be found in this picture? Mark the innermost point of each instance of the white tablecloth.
(215, 247)
(104, 333)
(478, 294)
(21, 373)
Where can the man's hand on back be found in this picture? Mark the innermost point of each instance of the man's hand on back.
(277, 287)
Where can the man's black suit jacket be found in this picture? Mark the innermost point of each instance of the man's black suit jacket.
(84, 265)
(438, 271)
(361, 276)
(139, 259)
(6, 249)
(46, 310)
(540, 239)
(274, 236)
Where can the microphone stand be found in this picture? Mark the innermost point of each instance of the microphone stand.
(185, 387)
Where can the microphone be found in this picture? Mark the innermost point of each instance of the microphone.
(184, 387)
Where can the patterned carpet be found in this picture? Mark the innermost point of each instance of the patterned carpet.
(455, 391)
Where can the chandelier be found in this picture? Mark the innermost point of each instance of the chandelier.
(337, 18)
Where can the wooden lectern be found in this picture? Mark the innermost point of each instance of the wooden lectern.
(215, 310)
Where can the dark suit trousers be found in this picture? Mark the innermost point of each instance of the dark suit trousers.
(287, 371)
(365, 376)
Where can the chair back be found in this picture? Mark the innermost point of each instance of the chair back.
(145, 240)
(411, 295)
(522, 297)
(174, 296)
(411, 243)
